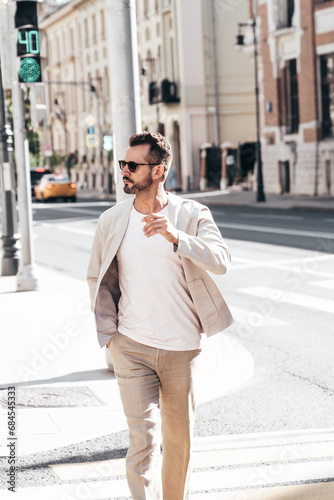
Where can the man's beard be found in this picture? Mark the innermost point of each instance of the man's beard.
(136, 187)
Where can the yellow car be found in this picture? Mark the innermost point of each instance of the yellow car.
(54, 186)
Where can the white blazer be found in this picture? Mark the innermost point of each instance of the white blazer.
(201, 249)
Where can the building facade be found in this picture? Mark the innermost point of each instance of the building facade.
(297, 84)
(77, 89)
(195, 88)
(189, 46)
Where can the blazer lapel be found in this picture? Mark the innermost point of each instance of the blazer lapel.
(173, 208)
(115, 236)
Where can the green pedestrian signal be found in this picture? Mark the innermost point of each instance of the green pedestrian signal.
(30, 70)
(28, 43)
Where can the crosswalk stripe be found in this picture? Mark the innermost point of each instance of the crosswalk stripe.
(313, 491)
(324, 284)
(205, 459)
(290, 452)
(255, 318)
(263, 475)
(265, 466)
(291, 298)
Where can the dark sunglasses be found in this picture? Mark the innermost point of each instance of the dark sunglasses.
(132, 165)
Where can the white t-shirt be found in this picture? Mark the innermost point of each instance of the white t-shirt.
(155, 307)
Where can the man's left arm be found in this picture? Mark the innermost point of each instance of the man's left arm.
(207, 249)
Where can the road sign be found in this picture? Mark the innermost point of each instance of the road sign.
(107, 142)
(92, 140)
(90, 120)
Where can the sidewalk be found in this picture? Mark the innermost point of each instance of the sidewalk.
(235, 196)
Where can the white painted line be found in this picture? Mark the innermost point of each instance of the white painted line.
(235, 478)
(207, 194)
(276, 230)
(271, 216)
(302, 261)
(291, 298)
(203, 460)
(68, 206)
(232, 441)
(264, 476)
(328, 284)
(255, 318)
(264, 455)
(71, 229)
(63, 220)
(312, 491)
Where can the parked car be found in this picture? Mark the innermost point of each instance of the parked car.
(55, 186)
(35, 176)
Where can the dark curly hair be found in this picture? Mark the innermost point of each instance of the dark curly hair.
(160, 149)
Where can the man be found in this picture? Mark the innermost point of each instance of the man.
(153, 297)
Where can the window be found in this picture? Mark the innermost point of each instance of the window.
(289, 97)
(145, 8)
(86, 31)
(290, 7)
(283, 11)
(94, 26)
(72, 40)
(102, 23)
(327, 94)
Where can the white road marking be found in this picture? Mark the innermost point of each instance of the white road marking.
(324, 284)
(291, 298)
(271, 216)
(208, 194)
(276, 230)
(259, 460)
(71, 229)
(67, 228)
(255, 318)
(68, 206)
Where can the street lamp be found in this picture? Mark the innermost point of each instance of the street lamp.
(260, 196)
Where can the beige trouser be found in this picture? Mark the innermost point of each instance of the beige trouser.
(150, 378)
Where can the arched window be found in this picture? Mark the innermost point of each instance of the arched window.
(146, 8)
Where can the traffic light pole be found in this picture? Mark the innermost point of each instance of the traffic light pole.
(9, 237)
(25, 278)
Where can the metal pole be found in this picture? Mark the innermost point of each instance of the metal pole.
(124, 79)
(215, 71)
(260, 191)
(26, 279)
(9, 237)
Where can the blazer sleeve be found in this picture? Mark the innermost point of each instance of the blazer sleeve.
(94, 265)
(207, 249)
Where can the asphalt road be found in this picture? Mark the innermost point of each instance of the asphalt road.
(281, 291)
(312, 230)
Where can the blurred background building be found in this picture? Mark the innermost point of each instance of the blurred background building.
(198, 91)
(297, 80)
(195, 88)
